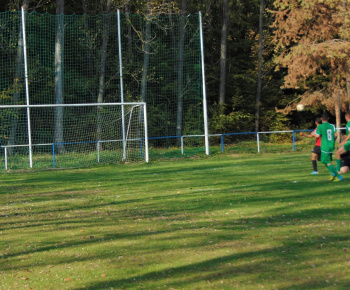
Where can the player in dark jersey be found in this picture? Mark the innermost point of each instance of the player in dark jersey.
(345, 162)
(344, 146)
(316, 151)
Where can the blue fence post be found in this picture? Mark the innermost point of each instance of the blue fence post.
(53, 156)
(293, 140)
(222, 143)
(141, 148)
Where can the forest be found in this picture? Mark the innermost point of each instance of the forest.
(262, 57)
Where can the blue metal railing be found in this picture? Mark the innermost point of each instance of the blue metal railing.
(141, 140)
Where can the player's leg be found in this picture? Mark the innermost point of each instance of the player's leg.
(333, 170)
(335, 176)
(316, 152)
(341, 150)
(326, 159)
(314, 163)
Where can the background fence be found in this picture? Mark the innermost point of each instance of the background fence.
(189, 146)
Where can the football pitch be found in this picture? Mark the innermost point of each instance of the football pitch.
(227, 221)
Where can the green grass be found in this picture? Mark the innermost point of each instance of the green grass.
(73, 159)
(220, 222)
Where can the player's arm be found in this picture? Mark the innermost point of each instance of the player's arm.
(307, 135)
(317, 133)
(311, 135)
(345, 140)
(314, 134)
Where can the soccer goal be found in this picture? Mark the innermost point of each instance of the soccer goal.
(73, 135)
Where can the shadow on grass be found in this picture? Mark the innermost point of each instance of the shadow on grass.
(269, 264)
(184, 201)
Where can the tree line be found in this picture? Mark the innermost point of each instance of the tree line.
(262, 56)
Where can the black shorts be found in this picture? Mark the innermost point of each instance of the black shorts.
(316, 150)
(345, 155)
(345, 161)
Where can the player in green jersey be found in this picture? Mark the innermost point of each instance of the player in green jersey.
(328, 133)
(344, 146)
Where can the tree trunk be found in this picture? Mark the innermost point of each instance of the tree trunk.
(84, 5)
(90, 63)
(146, 45)
(180, 88)
(101, 90)
(130, 54)
(18, 73)
(347, 69)
(172, 27)
(348, 83)
(338, 113)
(223, 53)
(59, 96)
(105, 36)
(260, 60)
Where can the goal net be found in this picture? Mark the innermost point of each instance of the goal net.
(73, 135)
(106, 58)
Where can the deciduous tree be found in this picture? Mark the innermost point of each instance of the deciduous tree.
(312, 43)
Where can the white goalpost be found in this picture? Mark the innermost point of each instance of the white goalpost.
(121, 135)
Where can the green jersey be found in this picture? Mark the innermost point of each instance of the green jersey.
(347, 144)
(347, 128)
(326, 131)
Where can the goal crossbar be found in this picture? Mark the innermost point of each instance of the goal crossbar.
(72, 105)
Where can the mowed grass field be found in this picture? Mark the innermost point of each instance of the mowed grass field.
(226, 221)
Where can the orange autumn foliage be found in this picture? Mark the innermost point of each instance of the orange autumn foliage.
(312, 43)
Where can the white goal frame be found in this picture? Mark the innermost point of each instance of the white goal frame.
(125, 130)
